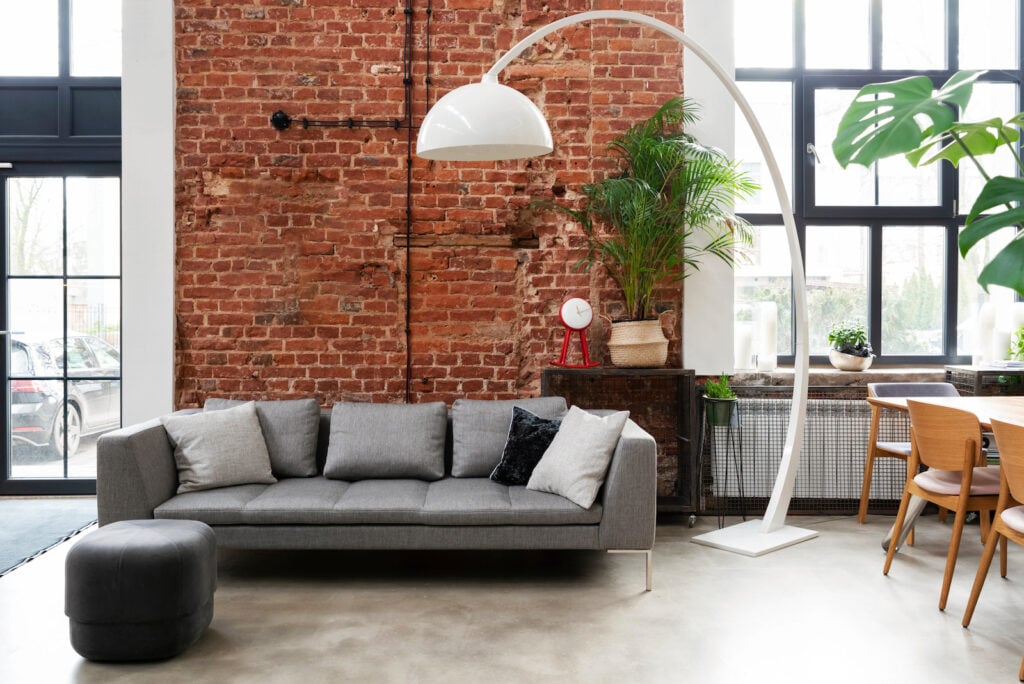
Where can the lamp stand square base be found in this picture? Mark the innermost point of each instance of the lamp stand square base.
(750, 540)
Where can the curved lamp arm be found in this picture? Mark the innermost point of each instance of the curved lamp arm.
(782, 491)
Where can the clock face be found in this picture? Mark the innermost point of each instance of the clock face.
(576, 313)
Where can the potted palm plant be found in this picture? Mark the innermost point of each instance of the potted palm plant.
(668, 207)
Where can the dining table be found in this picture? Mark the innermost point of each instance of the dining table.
(1009, 409)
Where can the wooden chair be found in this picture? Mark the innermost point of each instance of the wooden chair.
(948, 442)
(1009, 519)
(900, 450)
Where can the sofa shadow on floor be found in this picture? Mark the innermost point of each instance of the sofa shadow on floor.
(484, 567)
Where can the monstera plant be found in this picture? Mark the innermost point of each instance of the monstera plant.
(909, 117)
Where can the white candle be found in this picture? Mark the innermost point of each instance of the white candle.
(1017, 316)
(1000, 345)
(984, 324)
(743, 346)
(767, 339)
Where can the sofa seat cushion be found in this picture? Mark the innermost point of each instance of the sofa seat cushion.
(481, 501)
(320, 501)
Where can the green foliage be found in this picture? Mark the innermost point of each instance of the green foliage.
(850, 338)
(907, 117)
(667, 208)
(1017, 345)
(719, 389)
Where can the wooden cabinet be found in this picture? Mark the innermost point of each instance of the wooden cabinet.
(974, 381)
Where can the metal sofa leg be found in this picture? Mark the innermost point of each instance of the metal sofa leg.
(649, 562)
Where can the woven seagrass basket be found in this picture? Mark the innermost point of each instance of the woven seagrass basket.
(638, 344)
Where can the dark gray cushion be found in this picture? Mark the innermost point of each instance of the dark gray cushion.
(529, 437)
(386, 441)
(219, 448)
(289, 429)
(480, 429)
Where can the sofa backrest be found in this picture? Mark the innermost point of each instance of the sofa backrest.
(473, 412)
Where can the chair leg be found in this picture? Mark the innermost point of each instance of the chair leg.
(896, 530)
(985, 517)
(1002, 554)
(983, 566)
(943, 514)
(1020, 674)
(954, 550)
(865, 490)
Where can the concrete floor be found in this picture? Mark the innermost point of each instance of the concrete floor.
(818, 612)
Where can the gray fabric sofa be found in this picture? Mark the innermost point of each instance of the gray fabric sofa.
(137, 478)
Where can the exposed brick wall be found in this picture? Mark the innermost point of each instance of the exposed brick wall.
(291, 259)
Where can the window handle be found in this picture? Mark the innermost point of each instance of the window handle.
(813, 152)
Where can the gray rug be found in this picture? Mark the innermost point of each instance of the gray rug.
(28, 527)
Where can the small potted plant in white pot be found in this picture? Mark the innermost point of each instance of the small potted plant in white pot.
(719, 400)
(850, 349)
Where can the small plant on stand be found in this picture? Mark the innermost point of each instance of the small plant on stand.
(719, 400)
(850, 349)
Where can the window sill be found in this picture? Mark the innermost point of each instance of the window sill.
(826, 376)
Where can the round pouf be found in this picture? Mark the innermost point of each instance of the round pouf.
(140, 589)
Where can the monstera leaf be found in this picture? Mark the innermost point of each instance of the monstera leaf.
(1001, 193)
(967, 139)
(907, 118)
(886, 119)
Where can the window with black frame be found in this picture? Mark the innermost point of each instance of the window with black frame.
(60, 278)
(879, 243)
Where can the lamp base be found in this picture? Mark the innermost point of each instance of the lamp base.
(749, 539)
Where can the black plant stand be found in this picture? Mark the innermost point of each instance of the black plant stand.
(722, 446)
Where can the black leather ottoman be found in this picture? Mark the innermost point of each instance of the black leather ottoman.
(140, 589)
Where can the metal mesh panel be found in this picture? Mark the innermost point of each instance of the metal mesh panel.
(740, 462)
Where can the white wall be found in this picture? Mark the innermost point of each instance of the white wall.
(708, 293)
(147, 209)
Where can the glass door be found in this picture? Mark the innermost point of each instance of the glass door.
(61, 315)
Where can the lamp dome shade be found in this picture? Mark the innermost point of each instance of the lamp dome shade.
(483, 121)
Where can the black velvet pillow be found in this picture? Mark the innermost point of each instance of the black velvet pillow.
(528, 438)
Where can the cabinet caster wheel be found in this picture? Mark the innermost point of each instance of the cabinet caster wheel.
(692, 521)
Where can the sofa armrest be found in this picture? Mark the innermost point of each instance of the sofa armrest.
(135, 472)
(630, 497)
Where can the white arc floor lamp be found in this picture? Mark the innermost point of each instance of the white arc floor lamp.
(488, 121)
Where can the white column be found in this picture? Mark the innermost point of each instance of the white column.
(708, 294)
(147, 209)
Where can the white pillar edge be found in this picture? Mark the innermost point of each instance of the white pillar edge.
(147, 209)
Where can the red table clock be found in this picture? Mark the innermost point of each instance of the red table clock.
(576, 315)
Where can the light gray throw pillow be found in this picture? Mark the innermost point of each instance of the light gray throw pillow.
(575, 464)
(290, 428)
(219, 448)
(370, 441)
(480, 430)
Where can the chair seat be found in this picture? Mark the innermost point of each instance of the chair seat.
(894, 447)
(1014, 518)
(984, 483)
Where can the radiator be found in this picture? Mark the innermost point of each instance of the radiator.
(740, 462)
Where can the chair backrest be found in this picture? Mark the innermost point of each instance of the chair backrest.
(912, 389)
(1010, 440)
(941, 434)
